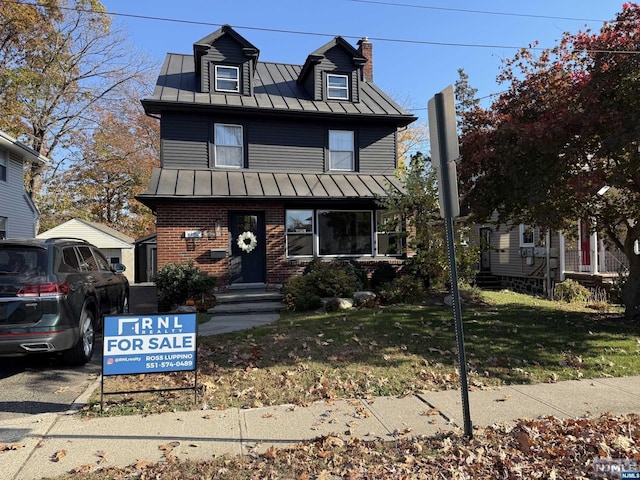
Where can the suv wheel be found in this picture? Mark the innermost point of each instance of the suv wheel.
(124, 305)
(82, 351)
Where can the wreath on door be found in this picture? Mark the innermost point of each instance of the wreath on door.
(247, 242)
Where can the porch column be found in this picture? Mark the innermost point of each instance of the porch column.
(594, 250)
(603, 256)
(561, 253)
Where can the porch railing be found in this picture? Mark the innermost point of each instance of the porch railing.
(613, 262)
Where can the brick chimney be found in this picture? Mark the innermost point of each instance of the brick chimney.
(366, 50)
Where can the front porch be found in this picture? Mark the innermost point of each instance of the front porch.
(595, 267)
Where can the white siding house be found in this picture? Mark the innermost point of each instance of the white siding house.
(117, 247)
(18, 215)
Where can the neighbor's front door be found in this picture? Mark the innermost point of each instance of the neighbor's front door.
(248, 253)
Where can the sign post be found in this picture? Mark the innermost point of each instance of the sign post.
(444, 153)
(149, 344)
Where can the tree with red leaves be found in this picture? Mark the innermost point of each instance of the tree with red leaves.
(567, 126)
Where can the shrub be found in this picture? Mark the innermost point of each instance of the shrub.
(382, 274)
(404, 289)
(320, 279)
(175, 283)
(333, 279)
(572, 292)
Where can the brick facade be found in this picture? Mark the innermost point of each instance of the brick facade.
(173, 219)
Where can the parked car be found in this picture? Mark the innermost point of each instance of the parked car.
(53, 296)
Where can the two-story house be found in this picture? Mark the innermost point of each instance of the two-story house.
(266, 166)
(18, 214)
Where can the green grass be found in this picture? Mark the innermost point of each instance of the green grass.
(301, 358)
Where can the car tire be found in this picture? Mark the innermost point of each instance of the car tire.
(124, 303)
(82, 351)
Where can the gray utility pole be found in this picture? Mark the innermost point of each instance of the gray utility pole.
(444, 152)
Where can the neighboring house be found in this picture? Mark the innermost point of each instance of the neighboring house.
(267, 165)
(117, 247)
(517, 257)
(18, 215)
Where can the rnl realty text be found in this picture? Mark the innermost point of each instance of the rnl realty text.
(149, 344)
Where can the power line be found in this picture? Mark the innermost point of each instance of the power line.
(307, 33)
(481, 12)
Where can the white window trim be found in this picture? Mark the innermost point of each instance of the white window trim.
(521, 234)
(4, 227)
(241, 146)
(352, 151)
(231, 67)
(344, 89)
(379, 231)
(312, 233)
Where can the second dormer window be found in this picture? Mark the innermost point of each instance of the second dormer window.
(337, 87)
(227, 79)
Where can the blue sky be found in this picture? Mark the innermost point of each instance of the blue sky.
(414, 41)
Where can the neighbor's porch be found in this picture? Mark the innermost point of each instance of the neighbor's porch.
(589, 259)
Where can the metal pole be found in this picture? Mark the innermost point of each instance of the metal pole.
(455, 293)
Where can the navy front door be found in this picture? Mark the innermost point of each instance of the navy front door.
(248, 250)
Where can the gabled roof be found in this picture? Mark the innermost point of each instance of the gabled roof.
(76, 227)
(176, 184)
(203, 44)
(317, 55)
(20, 149)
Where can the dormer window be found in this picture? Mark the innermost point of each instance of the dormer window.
(227, 79)
(337, 87)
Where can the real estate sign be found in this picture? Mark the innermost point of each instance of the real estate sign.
(149, 344)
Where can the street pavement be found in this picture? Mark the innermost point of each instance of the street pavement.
(52, 444)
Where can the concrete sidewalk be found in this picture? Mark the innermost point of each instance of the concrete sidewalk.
(202, 434)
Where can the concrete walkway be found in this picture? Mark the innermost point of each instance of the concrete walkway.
(201, 434)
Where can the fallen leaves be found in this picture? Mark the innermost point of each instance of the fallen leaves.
(4, 447)
(57, 456)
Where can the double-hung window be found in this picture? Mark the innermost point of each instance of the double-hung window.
(4, 163)
(3, 227)
(228, 145)
(341, 150)
(337, 87)
(299, 233)
(227, 78)
(529, 235)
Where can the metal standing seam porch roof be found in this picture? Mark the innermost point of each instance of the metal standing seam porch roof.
(215, 184)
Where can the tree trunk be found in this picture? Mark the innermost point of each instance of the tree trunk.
(631, 290)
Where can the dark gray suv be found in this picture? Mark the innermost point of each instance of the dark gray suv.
(53, 295)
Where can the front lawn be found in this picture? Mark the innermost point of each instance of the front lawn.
(510, 338)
